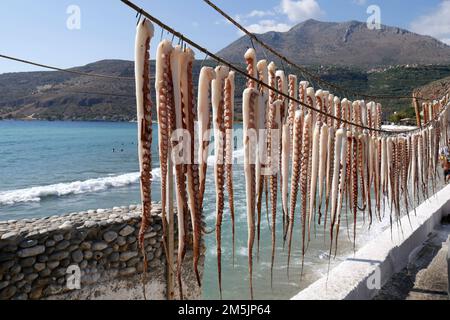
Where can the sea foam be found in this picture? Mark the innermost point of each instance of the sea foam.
(35, 194)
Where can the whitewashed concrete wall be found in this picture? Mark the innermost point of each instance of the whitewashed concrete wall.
(356, 277)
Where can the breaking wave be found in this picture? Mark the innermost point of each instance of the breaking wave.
(35, 194)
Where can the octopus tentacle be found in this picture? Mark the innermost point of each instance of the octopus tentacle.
(250, 59)
(249, 126)
(219, 143)
(280, 78)
(262, 151)
(293, 92)
(314, 174)
(192, 172)
(228, 114)
(306, 145)
(164, 101)
(323, 160)
(274, 124)
(343, 181)
(207, 74)
(178, 64)
(354, 185)
(144, 34)
(285, 157)
(296, 159)
(340, 152)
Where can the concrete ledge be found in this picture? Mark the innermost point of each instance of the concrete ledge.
(375, 263)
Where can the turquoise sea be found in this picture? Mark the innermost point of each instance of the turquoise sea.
(51, 168)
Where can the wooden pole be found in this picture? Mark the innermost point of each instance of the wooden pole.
(170, 231)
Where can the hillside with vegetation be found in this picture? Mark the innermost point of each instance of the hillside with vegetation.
(55, 95)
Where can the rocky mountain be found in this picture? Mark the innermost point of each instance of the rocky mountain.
(349, 43)
(389, 61)
(55, 95)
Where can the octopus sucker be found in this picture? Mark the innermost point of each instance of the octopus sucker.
(249, 126)
(295, 180)
(219, 154)
(144, 34)
(229, 111)
(164, 101)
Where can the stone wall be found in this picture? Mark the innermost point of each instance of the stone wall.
(38, 255)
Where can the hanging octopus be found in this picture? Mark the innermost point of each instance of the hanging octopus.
(295, 180)
(261, 159)
(228, 118)
(249, 106)
(207, 74)
(219, 170)
(178, 66)
(304, 176)
(192, 172)
(164, 102)
(144, 34)
(274, 125)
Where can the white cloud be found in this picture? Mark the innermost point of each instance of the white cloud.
(260, 13)
(268, 25)
(360, 2)
(300, 10)
(436, 23)
(283, 16)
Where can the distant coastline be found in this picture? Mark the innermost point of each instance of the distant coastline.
(29, 119)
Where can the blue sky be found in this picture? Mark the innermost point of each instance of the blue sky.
(37, 30)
